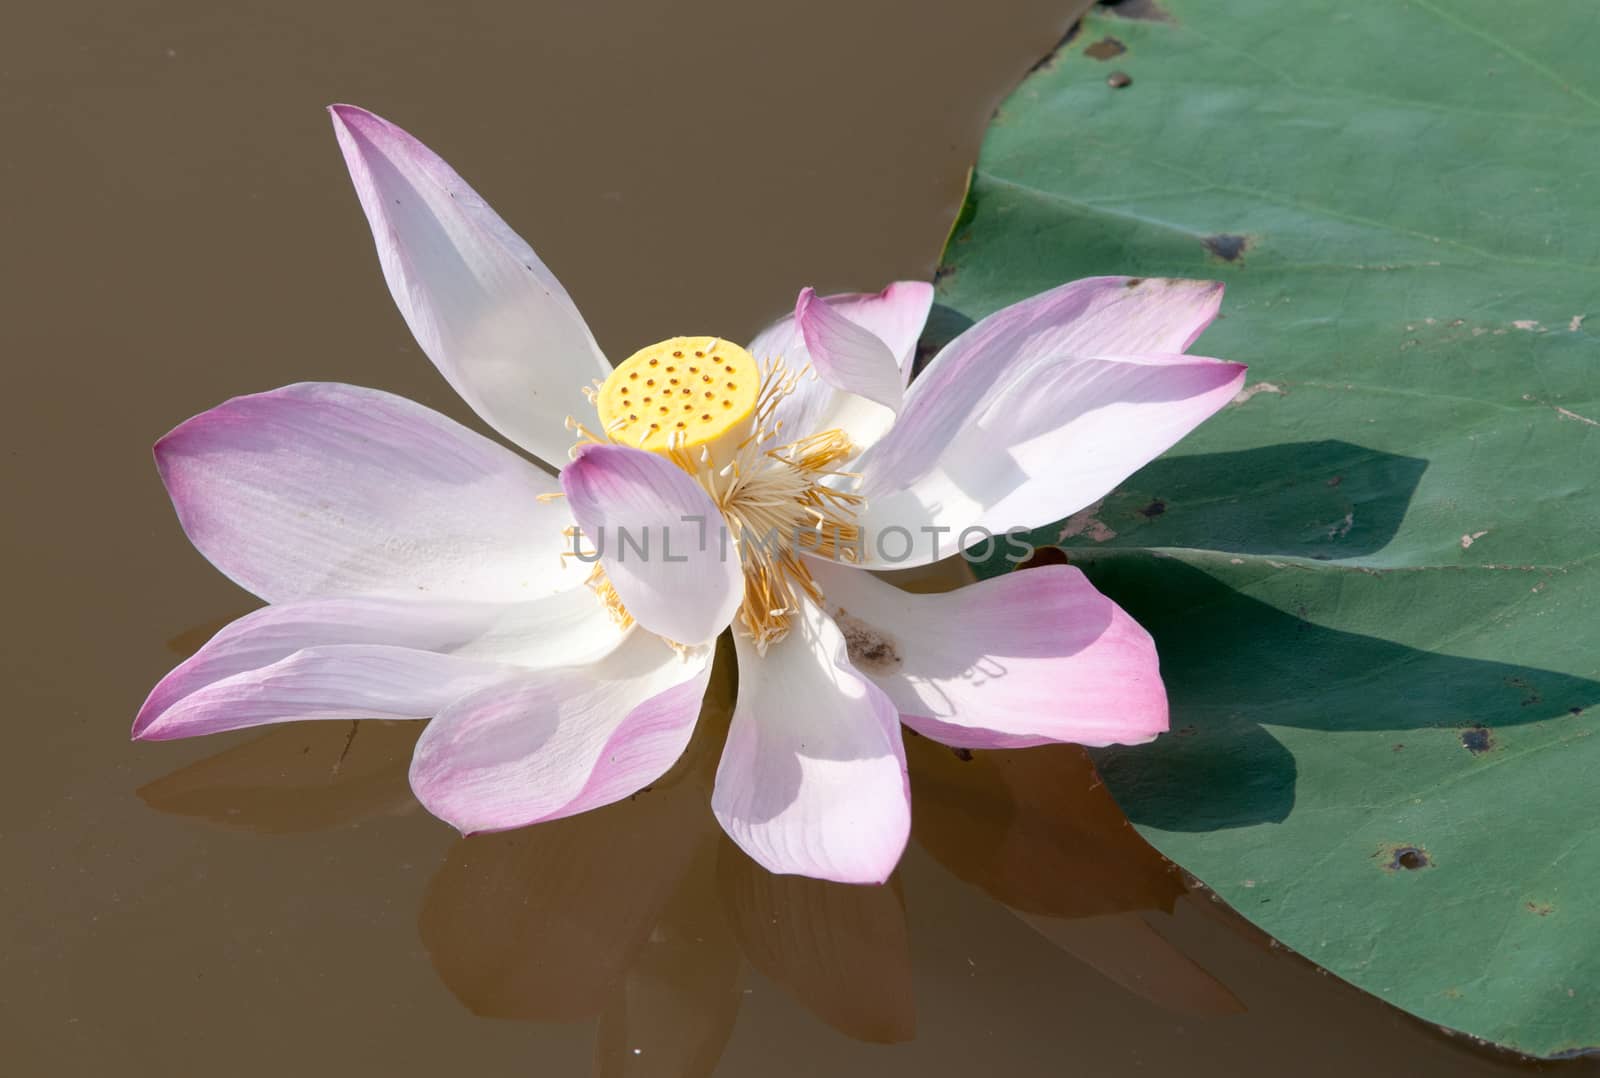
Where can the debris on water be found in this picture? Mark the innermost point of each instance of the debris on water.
(1118, 79)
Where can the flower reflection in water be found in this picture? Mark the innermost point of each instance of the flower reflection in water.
(641, 914)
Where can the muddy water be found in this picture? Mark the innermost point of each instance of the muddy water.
(178, 229)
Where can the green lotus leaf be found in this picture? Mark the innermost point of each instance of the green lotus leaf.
(1373, 577)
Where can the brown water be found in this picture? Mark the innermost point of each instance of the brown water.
(178, 229)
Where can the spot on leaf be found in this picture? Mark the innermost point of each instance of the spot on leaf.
(1105, 49)
(1227, 246)
(1404, 858)
(1144, 10)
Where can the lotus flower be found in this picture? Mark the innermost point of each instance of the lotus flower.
(416, 569)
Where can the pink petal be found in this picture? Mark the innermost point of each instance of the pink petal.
(847, 355)
(1023, 659)
(661, 539)
(342, 681)
(493, 319)
(1063, 432)
(563, 629)
(320, 489)
(896, 316)
(813, 777)
(1097, 316)
(558, 742)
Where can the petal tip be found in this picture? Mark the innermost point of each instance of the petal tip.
(918, 290)
(145, 728)
(802, 302)
(352, 114)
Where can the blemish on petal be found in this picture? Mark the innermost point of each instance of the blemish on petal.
(872, 651)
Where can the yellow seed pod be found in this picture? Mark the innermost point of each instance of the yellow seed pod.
(680, 393)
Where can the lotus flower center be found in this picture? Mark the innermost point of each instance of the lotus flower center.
(705, 405)
(680, 393)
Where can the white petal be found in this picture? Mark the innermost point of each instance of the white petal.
(661, 540)
(896, 316)
(848, 355)
(493, 319)
(1023, 659)
(557, 742)
(1097, 316)
(319, 489)
(342, 681)
(1064, 432)
(812, 779)
(565, 629)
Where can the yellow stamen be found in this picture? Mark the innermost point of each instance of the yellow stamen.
(776, 506)
(603, 589)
